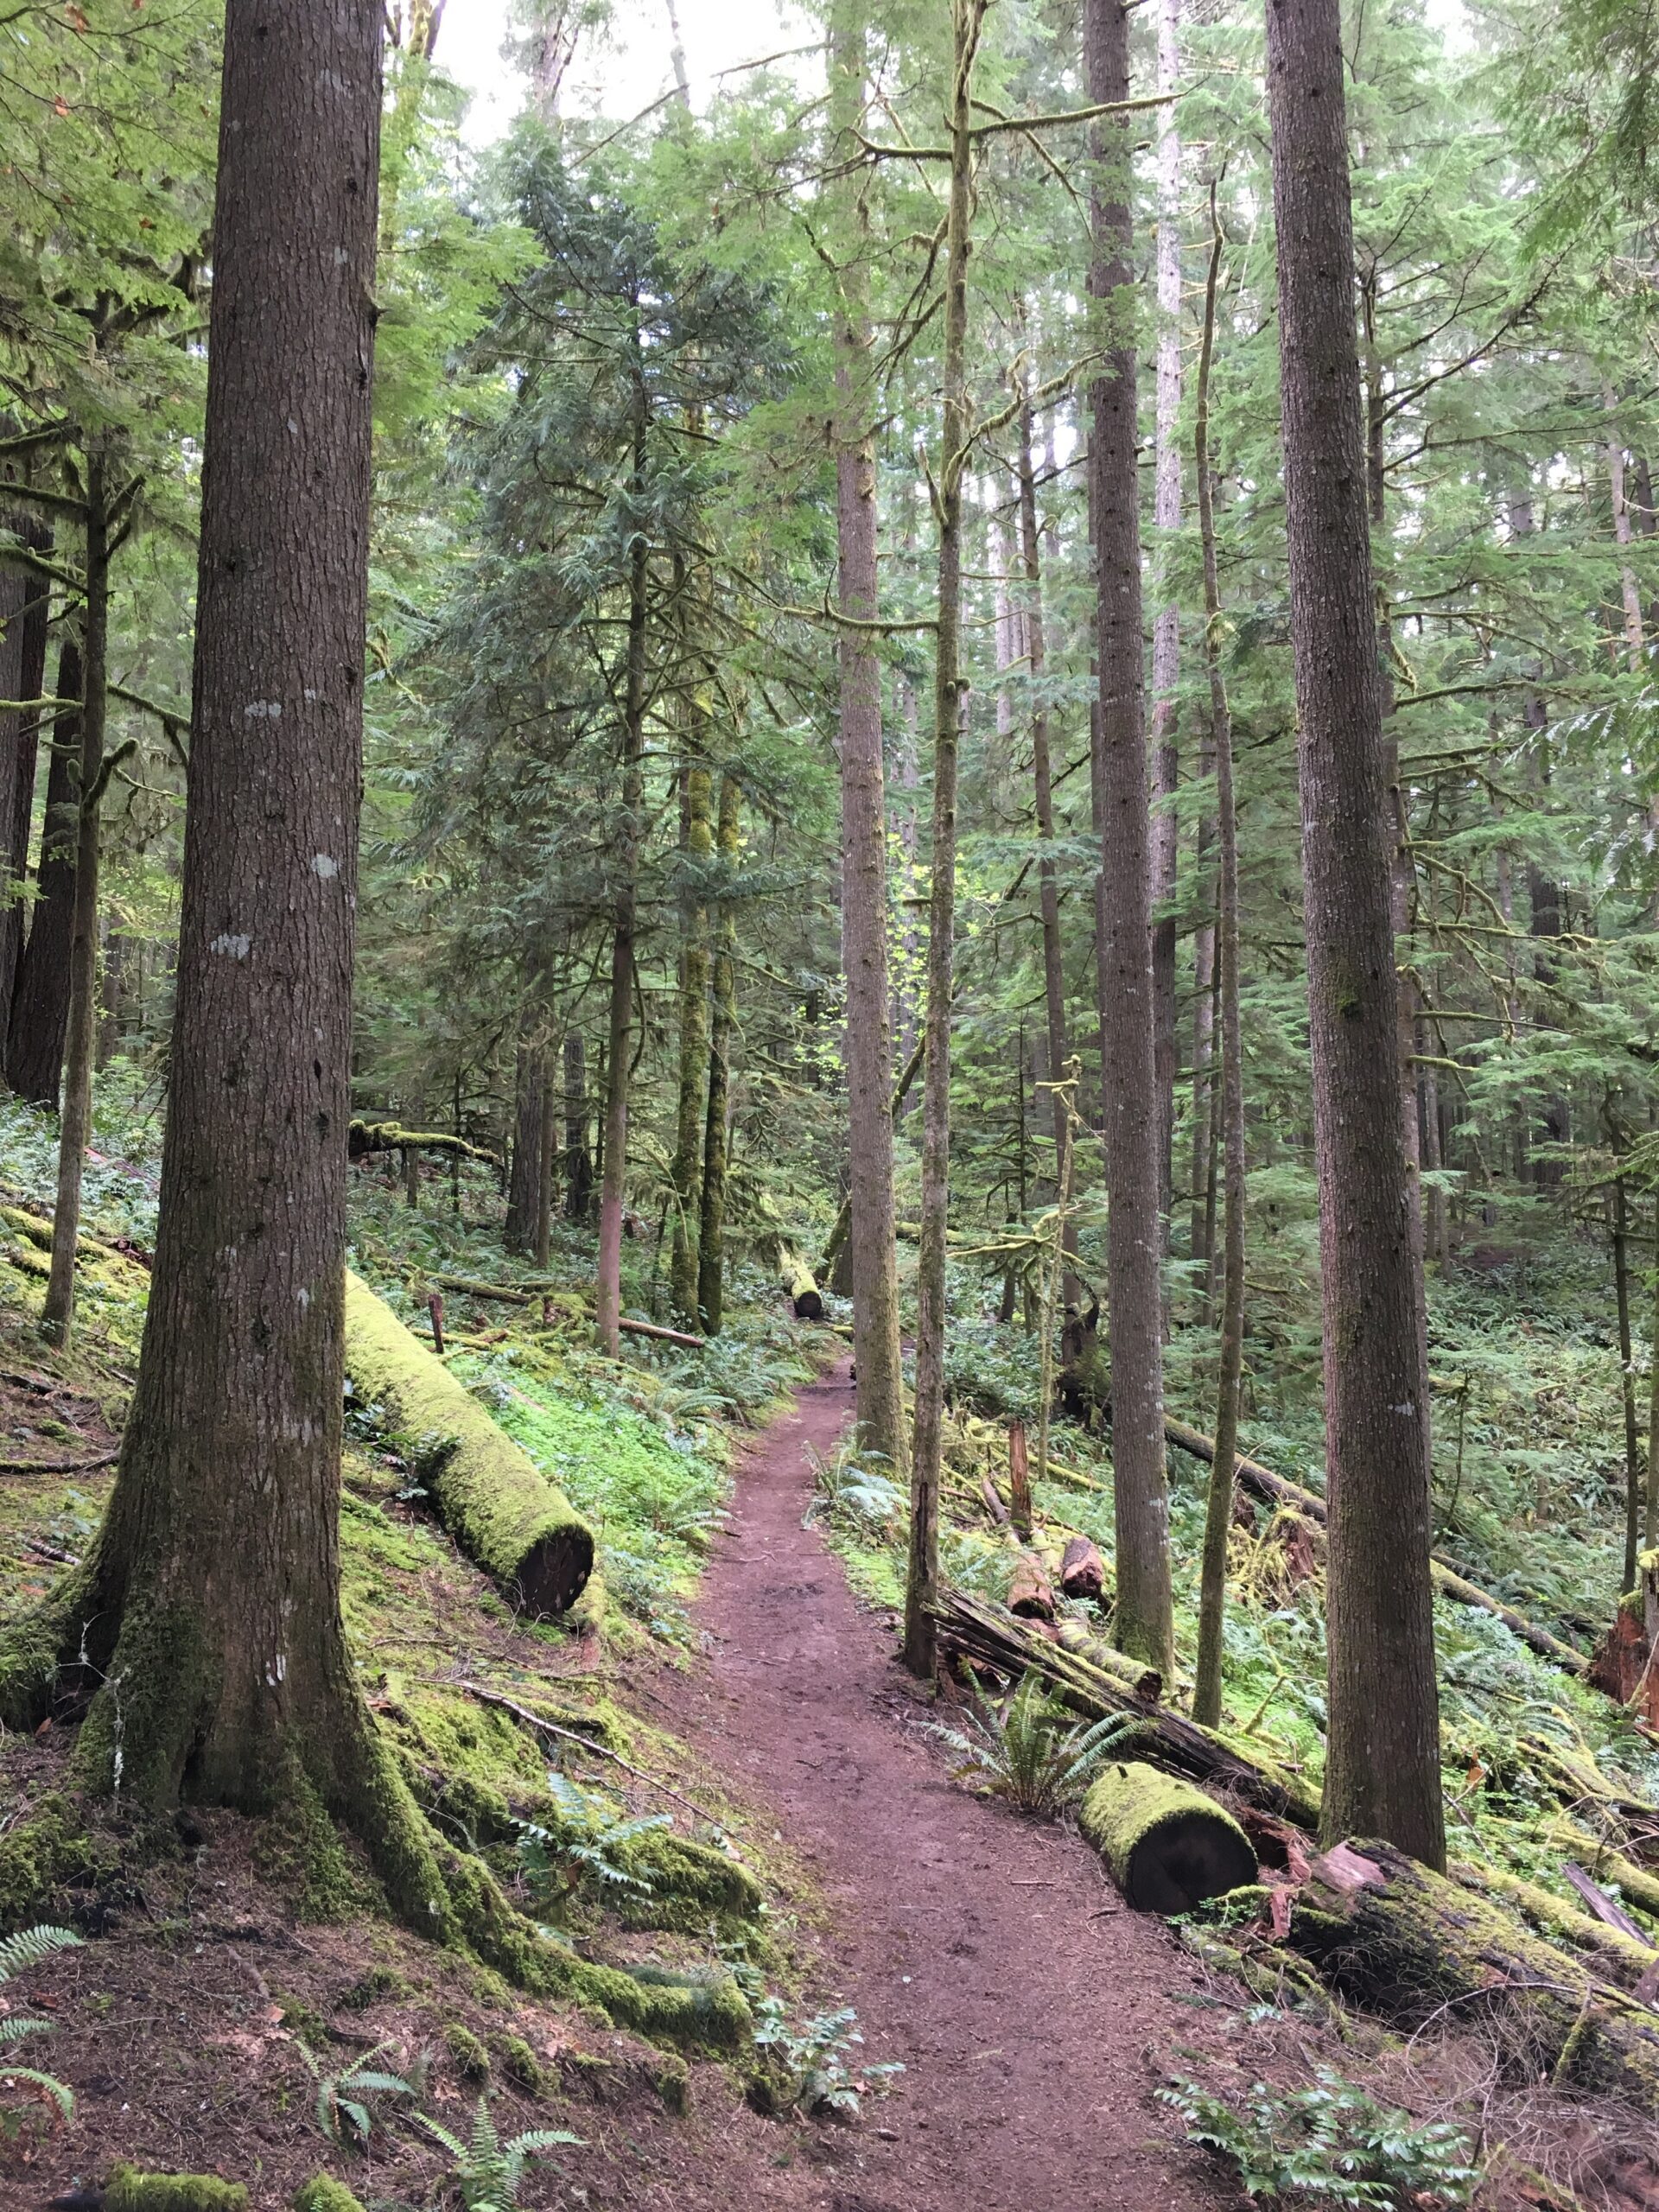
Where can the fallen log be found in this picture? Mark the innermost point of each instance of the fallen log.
(660, 1335)
(365, 1138)
(1168, 1846)
(1277, 1490)
(1412, 1945)
(798, 1281)
(1099, 1683)
(1083, 1571)
(492, 1497)
(1030, 1595)
(510, 1295)
(1018, 1481)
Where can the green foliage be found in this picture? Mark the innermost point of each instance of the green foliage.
(811, 2062)
(17, 1953)
(488, 2173)
(322, 2193)
(586, 1839)
(129, 2190)
(347, 2099)
(1328, 2144)
(1029, 1750)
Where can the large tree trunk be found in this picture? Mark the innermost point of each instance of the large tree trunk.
(531, 1078)
(686, 1172)
(1167, 622)
(40, 1002)
(876, 1355)
(922, 1574)
(578, 1159)
(212, 1604)
(1382, 1772)
(1129, 1086)
(75, 1124)
(723, 1032)
(24, 605)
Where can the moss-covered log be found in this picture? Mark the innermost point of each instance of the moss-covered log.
(129, 2190)
(364, 1139)
(797, 1280)
(1409, 1944)
(1168, 1846)
(492, 1499)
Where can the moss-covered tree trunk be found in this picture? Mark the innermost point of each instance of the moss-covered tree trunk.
(75, 1125)
(40, 1000)
(210, 1608)
(698, 845)
(722, 1029)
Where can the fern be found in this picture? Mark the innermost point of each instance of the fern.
(1030, 1752)
(588, 1839)
(488, 2173)
(17, 1953)
(1328, 2144)
(30, 1945)
(344, 2111)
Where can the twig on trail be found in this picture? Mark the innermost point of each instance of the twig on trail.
(574, 1736)
(59, 1466)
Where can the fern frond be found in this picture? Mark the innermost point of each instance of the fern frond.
(59, 2092)
(543, 2139)
(14, 2030)
(440, 2135)
(30, 1945)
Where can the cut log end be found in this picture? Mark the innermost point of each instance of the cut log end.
(1168, 1846)
(554, 1573)
(1083, 1571)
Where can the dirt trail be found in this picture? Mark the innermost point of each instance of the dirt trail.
(1033, 2012)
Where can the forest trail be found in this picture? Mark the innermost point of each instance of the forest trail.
(1033, 2012)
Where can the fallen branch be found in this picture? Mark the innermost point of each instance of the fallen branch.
(59, 1466)
(1277, 1490)
(510, 1295)
(534, 1720)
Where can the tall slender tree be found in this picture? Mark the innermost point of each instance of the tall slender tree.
(1382, 1765)
(1123, 891)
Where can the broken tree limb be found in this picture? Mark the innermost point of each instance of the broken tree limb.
(1277, 1490)
(492, 1497)
(1168, 1846)
(365, 1138)
(59, 1466)
(510, 1295)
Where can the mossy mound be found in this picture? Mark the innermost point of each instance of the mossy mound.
(128, 2190)
(491, 1497)
(322, 2193)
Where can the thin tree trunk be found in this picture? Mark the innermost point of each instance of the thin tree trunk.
(876, 1353)
(578, 1161)
(1382, 1761)
(75, 1124)
(415, 1108)
(685, 1173)
(607, 1299)
(1218, 1515)
(1167, 624)
(547, 1147)
(40, 1004)
(1204, 1033)
(24, 607)
(1633, 1500)
(922, 1577)
(722, 1035)
(524, 1179)
(1629, 589)
(1144, 1626)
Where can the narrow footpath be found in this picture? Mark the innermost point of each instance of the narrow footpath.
(1033, 2012)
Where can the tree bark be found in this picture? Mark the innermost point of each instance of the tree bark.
(876, 1354)
(40, 1002)
(24, 605)
(1218, 1515)
(1144, 1626)
(922, 1575)
(212, 1604)
(1382, 1771)
(75, 1122)
(1167, 623)
(1626, 1389)
(531, 1078)
(686, 1171)
(578, 1161)
(722, 1030)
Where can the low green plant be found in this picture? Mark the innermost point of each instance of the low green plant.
(489, 2173)
(345, 2109)
(588, 1838)
(17, 1953)
(1330, 2143)
(812, 2061)
(1030, 1752)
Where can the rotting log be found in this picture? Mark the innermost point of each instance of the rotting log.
(1390, 1936)
(491, 1497)
(1083, 1571)
(798, 1281)
(990, 1636)
(364, 1139)
(1279, 1489)
(1169, 1847)
(1030, 1594)
(1618, 1956)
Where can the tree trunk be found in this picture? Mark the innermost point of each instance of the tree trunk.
(75, 1124)
(1167, 623)
(212, 1604)
(1129, 1087)
(1627, 1390)
(607, 1300)
(1204, 1032)
(24, 605)
(547, 1146)
(39, 1003)
(531, 1078)
(686, 1171)
(1219, 1515)
(922, 1575)
(1382, 1772)
(722, 1030)
(578, 1161)
(876, 1354)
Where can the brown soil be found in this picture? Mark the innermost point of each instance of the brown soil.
(1033, 2012)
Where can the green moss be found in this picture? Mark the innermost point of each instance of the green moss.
(379, 1985)
(472, 2060)
(51, 1848)
(322, 2193)
(128, 2190)
(672, 2082)
(1169, 1847)
(689, 1882)
(302, 2020)
(491, 1497)
(523, 2067)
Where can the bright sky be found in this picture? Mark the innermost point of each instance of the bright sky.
(630, 70)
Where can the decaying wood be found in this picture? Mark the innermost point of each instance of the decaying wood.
(1018, 1481)
(1030, 1595)
(1169, 1847)
(1083, 1571)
